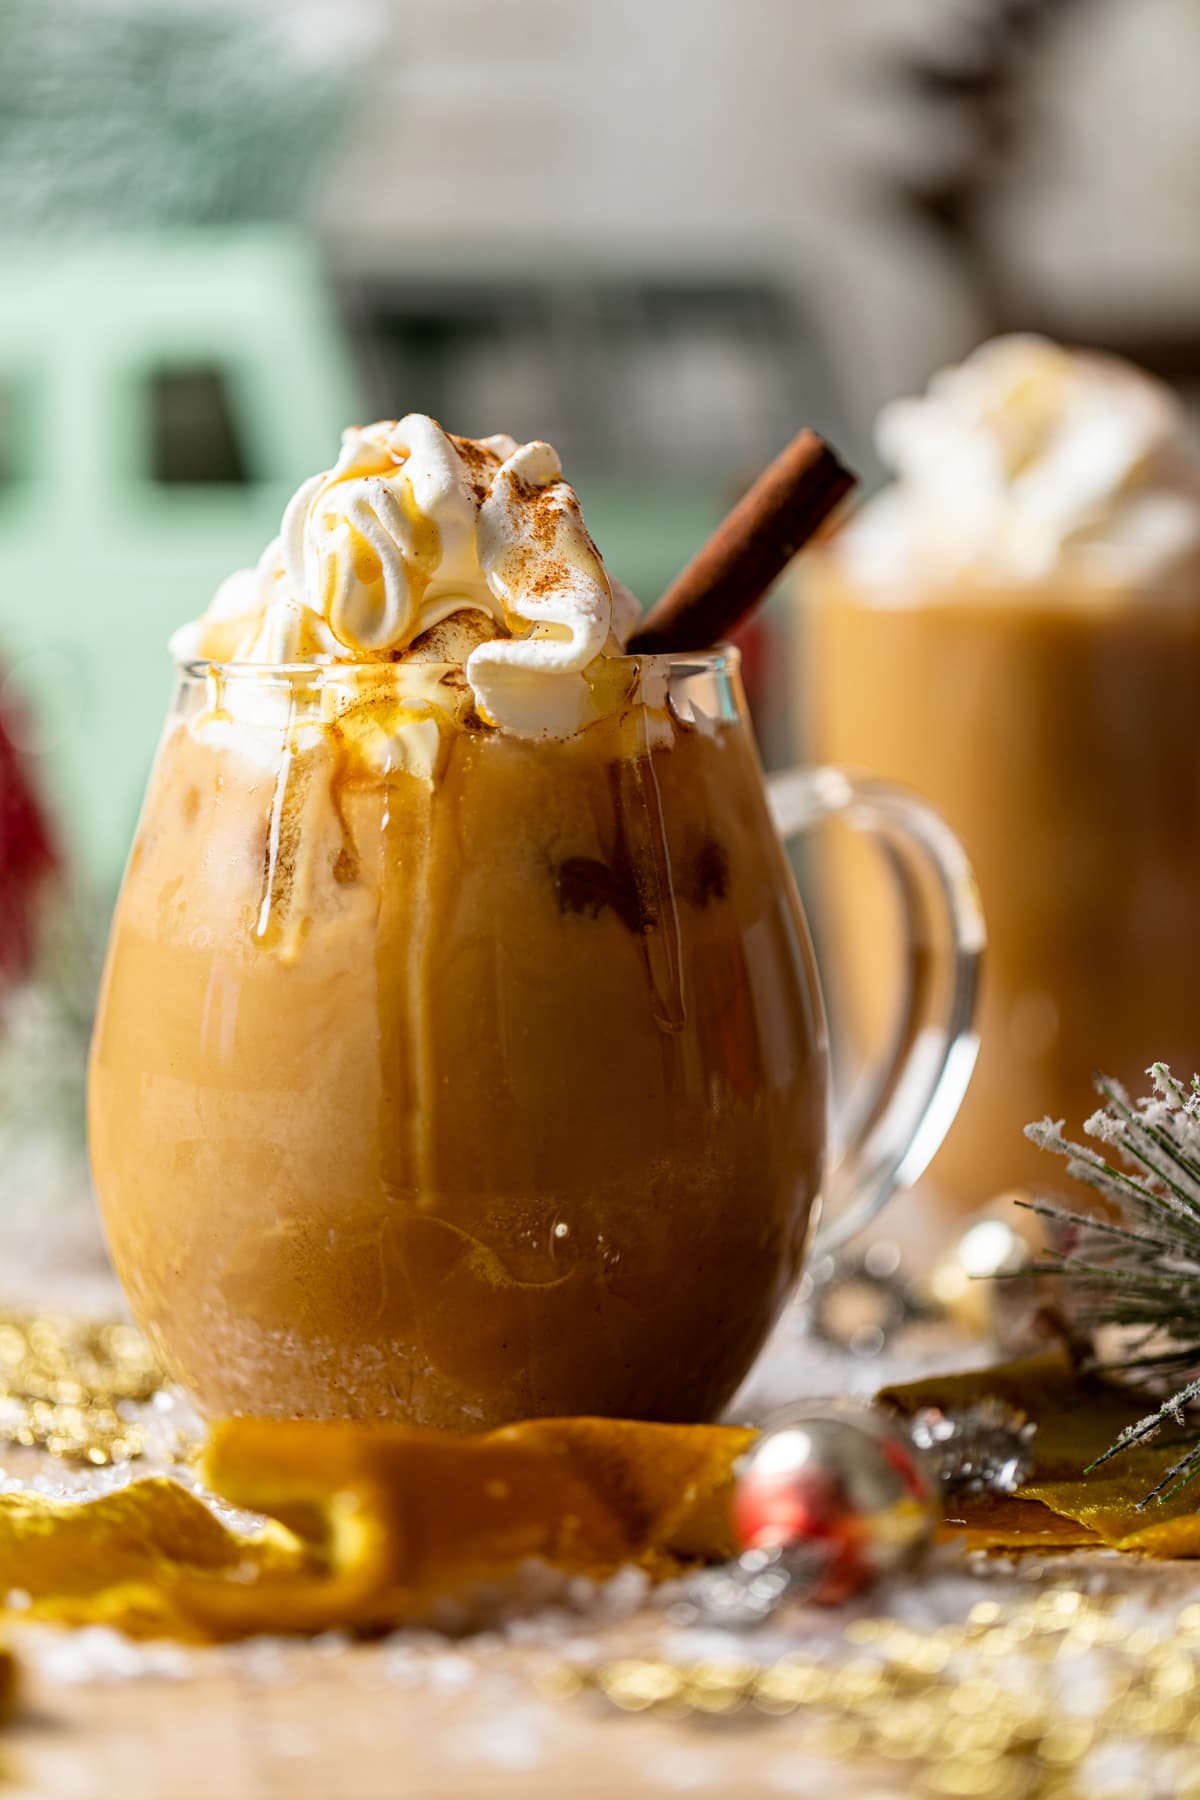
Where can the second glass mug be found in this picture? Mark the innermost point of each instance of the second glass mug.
(445, 1076)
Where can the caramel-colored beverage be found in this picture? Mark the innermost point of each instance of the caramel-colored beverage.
(1060, 738)
(1012, 628)
(460, 1055)
(457, 1095)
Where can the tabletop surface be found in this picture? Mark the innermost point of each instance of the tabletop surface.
(407, 1717)
(946, 1683)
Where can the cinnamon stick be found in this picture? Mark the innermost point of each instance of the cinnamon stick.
(728, 577)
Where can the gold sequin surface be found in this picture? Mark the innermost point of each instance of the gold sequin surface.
(74, 1387)
(1058, 1698)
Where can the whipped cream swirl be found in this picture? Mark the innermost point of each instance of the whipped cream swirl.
(420, 545)
(1028, 462)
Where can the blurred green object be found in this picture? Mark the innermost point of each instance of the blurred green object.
(647, 525)
(136, 377)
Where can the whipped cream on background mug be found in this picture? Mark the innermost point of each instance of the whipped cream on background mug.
(1028, 462)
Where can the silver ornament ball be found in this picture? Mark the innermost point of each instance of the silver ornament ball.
(841, 1478)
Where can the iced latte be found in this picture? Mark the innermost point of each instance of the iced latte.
(459, 1057)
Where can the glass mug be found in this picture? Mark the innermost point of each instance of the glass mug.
(490, 1085)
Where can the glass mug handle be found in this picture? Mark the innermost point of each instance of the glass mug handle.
(887, 1139)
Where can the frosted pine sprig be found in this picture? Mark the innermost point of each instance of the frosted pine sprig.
(1139, 1271)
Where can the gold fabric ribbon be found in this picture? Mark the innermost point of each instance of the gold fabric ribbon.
(370, 1525)
(9, 1683)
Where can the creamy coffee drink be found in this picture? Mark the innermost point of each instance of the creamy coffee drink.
(460, 1056)
(1013, 628)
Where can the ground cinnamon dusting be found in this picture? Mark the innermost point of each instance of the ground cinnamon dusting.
(478, 458)
(550, 578)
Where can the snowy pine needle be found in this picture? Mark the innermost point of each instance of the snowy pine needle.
(1138, 1270)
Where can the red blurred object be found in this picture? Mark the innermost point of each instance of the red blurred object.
(28, 855)
(753, 640)
(839, 1482)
